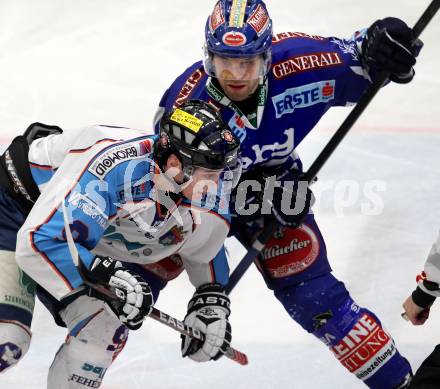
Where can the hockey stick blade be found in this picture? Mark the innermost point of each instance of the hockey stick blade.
(261, 240)
(156, 314)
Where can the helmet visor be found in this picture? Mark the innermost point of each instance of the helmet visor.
(230, 173)
(236, 68)
(207, 185)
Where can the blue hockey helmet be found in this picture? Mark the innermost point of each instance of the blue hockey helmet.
(236, 29)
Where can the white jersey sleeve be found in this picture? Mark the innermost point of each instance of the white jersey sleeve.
(86, 168)
(432, 271)
(203, 255)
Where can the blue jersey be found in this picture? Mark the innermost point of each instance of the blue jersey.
(309, 74)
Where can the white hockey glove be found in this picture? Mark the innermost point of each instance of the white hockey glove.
(135, 297)
(208, 311)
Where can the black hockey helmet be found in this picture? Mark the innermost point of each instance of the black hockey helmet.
(198, 136)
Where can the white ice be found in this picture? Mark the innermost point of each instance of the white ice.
(74, 63)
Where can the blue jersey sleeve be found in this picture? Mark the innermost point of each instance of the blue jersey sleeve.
(183, 88)
(353, 79)
(220, 267)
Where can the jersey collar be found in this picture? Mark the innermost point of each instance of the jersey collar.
(253, 119)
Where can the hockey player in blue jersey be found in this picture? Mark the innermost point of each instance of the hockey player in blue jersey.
(272, 89)
(129, 197)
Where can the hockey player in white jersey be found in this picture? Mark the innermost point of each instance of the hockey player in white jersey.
(138, 199)
(417, 307)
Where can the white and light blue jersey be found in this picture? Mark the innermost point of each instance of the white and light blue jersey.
(105, 176)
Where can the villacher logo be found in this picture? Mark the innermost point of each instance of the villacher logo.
(295, 251)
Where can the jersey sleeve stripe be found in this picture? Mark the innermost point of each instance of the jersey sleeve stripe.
(17, 324)
(79, 151)
(14, 314)
(38, 166)
(220, 267)
(80, 326)
(211, 268)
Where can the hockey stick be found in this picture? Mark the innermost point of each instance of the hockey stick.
(156, 314)
(258, 245)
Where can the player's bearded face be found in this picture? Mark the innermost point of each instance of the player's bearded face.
(238, 77)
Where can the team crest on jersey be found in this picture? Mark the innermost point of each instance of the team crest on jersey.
(303, 96)
(347, 47)
(295, 251)
(114, 156)
(173, 236)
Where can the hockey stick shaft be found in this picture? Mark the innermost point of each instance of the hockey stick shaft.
(364, 101)
(179, 326)
(258, 245)
(156, 314)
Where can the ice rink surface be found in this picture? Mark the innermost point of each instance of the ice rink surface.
(81, 62)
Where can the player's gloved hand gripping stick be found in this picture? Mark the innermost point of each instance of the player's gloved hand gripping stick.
(258, 245)
(155, 314)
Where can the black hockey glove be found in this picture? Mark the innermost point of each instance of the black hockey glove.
(208, 311)
(135, 298)
(390, 45)
(274, 191)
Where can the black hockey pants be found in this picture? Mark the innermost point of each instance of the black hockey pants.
(428, 374)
